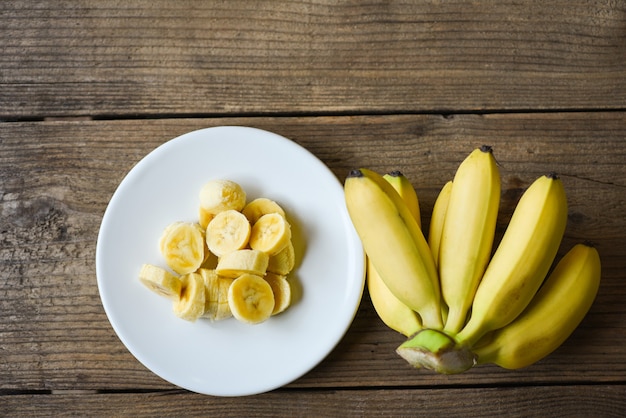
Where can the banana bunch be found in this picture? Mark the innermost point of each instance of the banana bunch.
(458, 298)
(233, 262)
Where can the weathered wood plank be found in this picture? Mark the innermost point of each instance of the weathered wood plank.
(57, 177)
(533, 401)
(184, 57)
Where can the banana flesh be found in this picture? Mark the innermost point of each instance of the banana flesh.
(261, 206)
(394, 243)
(546, 324)
(228, 231)
(516, 315)
(182, 246)
(208, 256)
(271, 233)
(470, 217)
(161, 281)
(522, 259)
(251, 299)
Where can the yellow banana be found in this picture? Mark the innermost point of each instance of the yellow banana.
(261, 206)
(407, 192)
(228, 231)
(395, 314)
(522, 259)
(468, 233)
(394, 242)
(251, 299)
(553, 314)
(437, 219)
(219, 195)
(271, 233)
(183, 246)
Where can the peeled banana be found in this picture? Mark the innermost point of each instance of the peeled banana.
(251, 299)
(182, 246)
(232, 240)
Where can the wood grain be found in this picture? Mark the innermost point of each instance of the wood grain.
(605, 401)
(147, 58)
(56, 179)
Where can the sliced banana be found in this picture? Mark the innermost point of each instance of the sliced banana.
(160, 281)
(191, 304)
(251, 299)
(270, 234)
(239, 262)
(261, 206)
(228, 231)
(223, 308)
(211, 287)
(204, 217)
(282, 291)
(220, 195)
(183, 246)
(283, 261)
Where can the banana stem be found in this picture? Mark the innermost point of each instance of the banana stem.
(434, 350)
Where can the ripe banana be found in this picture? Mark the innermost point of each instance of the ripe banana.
(283, 261)
(220, 195)
(251, 299)
(522, 259)
(395, 314)
(394, 242)
(228, 231)
(468, 233)
(183, 245)
(239, 262)
(281, 290)
(437, 219)
(553, 314)
(160, 281)
(270, 233)
(407, 192)
(261, 206)
(190, 306)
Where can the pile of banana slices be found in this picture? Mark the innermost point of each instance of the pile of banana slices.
(233, 262)
(458, 298)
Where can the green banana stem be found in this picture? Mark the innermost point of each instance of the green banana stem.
(435, 350)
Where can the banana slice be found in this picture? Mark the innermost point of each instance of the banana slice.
(261, 206)
(251, 299)
(282, 291)
(190, 306)
(204, 217)
(219, 195)
(239, 262)
(160, 281)
(182, 245)
(270, 234)
(223, 308)
(283, 261)
(211, 287)
(227, 232)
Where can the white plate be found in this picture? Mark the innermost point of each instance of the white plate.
(229, 358)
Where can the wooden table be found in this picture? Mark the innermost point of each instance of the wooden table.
(88, 88)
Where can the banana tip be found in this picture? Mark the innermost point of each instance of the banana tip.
(355, 173)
